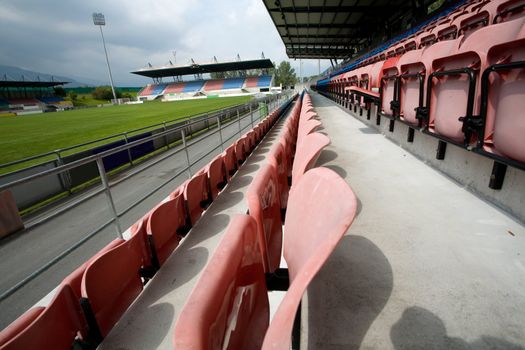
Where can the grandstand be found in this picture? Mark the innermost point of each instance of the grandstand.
(29, 97)
(382, 209)
(204, 88)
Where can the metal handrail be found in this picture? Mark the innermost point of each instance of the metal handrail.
(106, 187)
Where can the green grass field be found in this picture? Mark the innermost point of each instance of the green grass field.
(25, 136)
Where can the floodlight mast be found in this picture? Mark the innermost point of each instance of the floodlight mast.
(99, 20)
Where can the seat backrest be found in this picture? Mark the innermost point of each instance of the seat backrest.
(110, 284)
(228, 308)
(306, 128)
(216, 171)
(165, 225)
(277, 159)
(196, 196)
(264, 205)
(74, 279)
(504, 122)
(230, 161)
(390, 70)
(449, 95)
(54, 327)
(241, 150)
(307, 153)
(311, 232)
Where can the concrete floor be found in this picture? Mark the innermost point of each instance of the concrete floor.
(425, 265)
(25, 252)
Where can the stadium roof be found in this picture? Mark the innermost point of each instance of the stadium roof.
(330, 28)
(33, 84)
(169, 71)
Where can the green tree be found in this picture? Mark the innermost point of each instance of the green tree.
(285, 74)
(104, 93)
(72, 96)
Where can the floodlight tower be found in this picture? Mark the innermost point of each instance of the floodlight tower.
(99, 20)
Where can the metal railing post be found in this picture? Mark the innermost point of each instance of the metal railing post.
(251, 115)
(166, 136)
(129, 149)
(185, 146)
(220, 132)
(65, 177)
(239, 121)
(109, 197)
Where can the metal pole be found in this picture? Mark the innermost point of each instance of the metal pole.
(107, 61)
(166, 136)
(220, 132)
(186, 151)
(239, 120)
(129, 150)
(109, 197)
(251, 115)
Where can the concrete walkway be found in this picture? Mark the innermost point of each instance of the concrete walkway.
(426, 264)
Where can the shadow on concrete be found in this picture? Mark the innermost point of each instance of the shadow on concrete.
(340, 171)
(347, 294)
(325, 157)
(367, 130)
(419, 328)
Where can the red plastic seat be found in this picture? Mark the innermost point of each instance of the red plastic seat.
(197, 196)
(307, 153)
(110, 284)
(228, 308)
(307, 128)
(388, 82)
(504, 104)
(264, 205)
(305, 249)
(230, 161)
(217, 177)
(449, 98)
(54, 327)
(166, 226)
(277, 159)
(241, 150)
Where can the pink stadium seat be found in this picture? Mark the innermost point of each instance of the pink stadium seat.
(307, 153)
(217, 177)
(449, 99)
(264, 205)
(74, 279)
(305, 250)
(505, 11)
(197, 196)
(307, 128)
(277, 159)
(503, 104)
(252, 82)
(165, 227)
(230, 161)
(228, 308)
(110, 284)
(241, 150)
(388, 82)
(56, 326)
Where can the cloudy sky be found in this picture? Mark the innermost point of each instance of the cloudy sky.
(58, 37)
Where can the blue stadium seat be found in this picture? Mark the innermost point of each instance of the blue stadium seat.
(264, 80)
(157, 90)
(193, 86)
(235, 83)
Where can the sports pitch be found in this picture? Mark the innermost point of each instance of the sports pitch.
(25, 136)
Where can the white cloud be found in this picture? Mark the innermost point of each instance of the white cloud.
(59, 37)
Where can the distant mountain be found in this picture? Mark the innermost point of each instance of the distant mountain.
(15, 73)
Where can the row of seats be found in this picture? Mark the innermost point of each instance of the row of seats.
(229, 306)
(206, 85)
(459, 79)
(90, 301)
